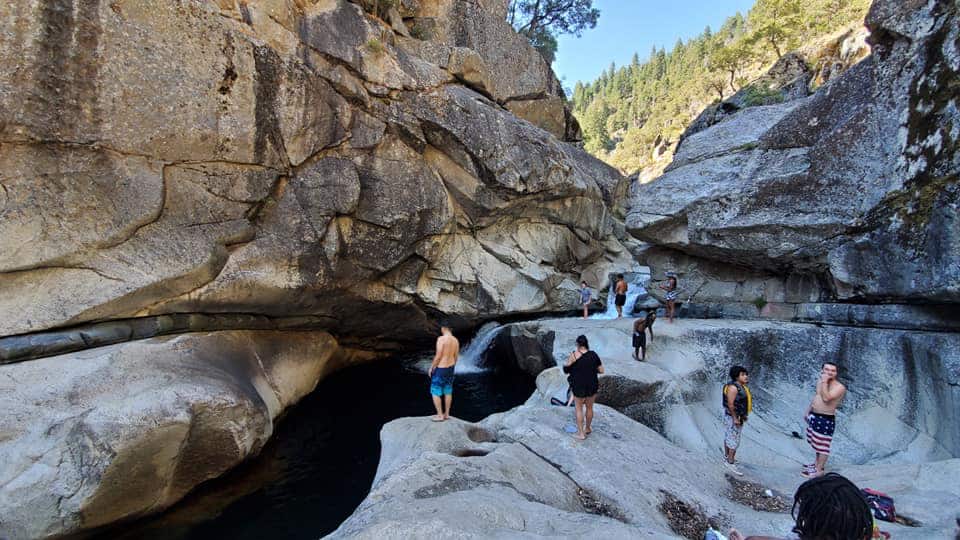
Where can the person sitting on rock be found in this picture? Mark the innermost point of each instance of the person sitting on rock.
(640, 339)
(737, 405)
(827, 508)
(585, 297)
(671, 287)
(584, 366)
(621, 294)
(821, 418)
(441, 372)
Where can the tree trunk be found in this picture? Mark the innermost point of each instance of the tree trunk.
(535, 19)
(776, 48)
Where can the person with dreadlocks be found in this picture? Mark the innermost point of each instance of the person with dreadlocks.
(829, 507)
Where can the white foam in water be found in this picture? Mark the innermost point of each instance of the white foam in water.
(635, 290)
(471, 355)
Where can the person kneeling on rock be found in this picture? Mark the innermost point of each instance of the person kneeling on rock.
(583, 365)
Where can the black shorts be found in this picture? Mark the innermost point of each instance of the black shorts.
(639, 340)
(620, 300)
(586, 390)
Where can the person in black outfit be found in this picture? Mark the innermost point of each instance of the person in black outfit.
(651, 318)
(640, 339)
(583, 365)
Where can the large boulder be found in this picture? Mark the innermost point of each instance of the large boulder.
(287, 159)
(821, 186)
(476, 43)
(653, 464)
(901, 406)
(521, 474)
(121, 431)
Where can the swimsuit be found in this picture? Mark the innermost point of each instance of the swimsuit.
(583, 375)
(639, 339)
(672, 293)
(621, 299)
(441, 383)
(820, 428)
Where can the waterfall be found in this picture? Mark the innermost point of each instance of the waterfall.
(635, 290)
(472, 354)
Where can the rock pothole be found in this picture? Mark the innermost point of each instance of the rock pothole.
(470, 452)
(480, 435)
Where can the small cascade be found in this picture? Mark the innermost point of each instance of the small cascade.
(471, 355)
(635, 290)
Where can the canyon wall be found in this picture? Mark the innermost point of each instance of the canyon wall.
(252, 194)
(849, 195)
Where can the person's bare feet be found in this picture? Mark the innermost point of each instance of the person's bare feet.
(579, 436)
(588, 431)
(446, 417)
(438, 418)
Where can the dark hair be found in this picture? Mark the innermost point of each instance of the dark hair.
(582, 342)
(619, 276)
(735, 372)
(583, 282)
(445, 323)
(834, 364)
(831, 508)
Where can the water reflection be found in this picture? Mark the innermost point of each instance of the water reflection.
(323, 457)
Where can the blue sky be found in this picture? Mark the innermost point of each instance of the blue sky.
(628, 26)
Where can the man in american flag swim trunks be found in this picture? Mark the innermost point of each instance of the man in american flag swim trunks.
(821, 418)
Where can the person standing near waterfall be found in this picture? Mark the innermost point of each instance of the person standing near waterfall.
(621, 291)
(821, 418)
(585, 297)
(671, 288)
(441, 372)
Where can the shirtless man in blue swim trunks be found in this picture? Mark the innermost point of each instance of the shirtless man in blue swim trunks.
(441, 372)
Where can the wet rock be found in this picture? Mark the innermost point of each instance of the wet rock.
(889, 437)
(126, 430)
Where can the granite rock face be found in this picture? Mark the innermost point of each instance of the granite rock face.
(288, 159)
(658, 433)
(904, 381)
(276, 173)
(856, 185)
(121, 431)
